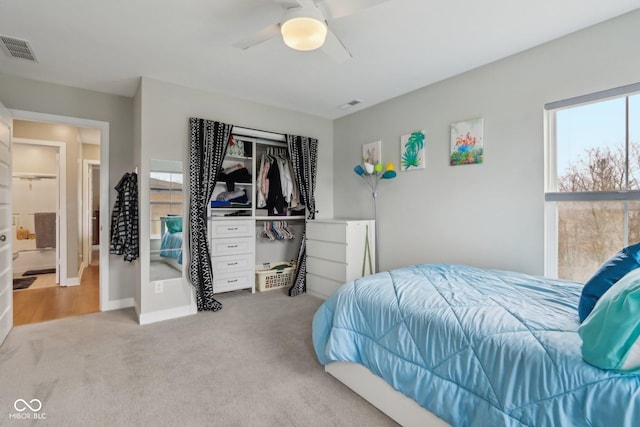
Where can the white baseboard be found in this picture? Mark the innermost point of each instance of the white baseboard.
(72, 281)
(171, 313)
(117, 304)
(82, 267)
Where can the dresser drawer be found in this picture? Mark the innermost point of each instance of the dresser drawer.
(229, 263)
(321, 286)
(233, 281)
(327, 250)
(231, 228)
(330, 232)
(231, 246)
(329, 269)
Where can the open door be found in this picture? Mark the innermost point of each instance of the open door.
(6, 259)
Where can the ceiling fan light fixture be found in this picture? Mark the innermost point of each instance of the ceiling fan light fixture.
(300, 31)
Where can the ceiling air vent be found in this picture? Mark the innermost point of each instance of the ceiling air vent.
(350, 104)
(17, 48)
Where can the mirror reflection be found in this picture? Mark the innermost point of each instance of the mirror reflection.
(166, 213)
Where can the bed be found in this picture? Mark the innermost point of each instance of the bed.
(456, 345)
(166, 254)
(171, 248)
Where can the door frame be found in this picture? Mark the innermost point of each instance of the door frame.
(87, 188)
(61, 204)
(6, 294)
(104, 184)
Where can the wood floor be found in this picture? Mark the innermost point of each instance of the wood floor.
(40, 305)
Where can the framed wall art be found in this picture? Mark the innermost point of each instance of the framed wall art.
(372, 153)
(467, 145)
(412, 151)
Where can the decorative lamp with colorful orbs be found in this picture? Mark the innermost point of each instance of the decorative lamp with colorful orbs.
(372, 174)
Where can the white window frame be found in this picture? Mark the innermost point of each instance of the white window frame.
(551, 196)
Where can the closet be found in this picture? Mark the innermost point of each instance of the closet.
(254, 215)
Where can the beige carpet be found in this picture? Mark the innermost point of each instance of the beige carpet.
(251, 364)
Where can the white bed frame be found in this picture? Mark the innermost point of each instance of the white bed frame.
(376, 391)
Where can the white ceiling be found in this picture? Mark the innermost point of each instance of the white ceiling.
(397, 46)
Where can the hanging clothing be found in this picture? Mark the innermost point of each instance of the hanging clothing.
(286, 182)
(275, 187)
(275, 198)
(124, 219)
(263, 186)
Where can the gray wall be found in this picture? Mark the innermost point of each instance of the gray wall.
(488, 215)
(34, 96)
(165, 110)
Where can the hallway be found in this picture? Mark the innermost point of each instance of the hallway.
(40, 305)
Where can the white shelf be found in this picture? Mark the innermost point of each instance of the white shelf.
(257, 218)
(280, 218)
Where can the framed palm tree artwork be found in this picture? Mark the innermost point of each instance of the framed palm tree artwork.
(412, 152)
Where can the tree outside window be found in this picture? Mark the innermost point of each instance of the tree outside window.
(595, 189)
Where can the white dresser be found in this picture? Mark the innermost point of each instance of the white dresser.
(336, 252)
(232, 244)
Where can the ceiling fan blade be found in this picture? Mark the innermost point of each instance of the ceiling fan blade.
(288, 4)
(259, 37)
(333, 9)
(334, 48)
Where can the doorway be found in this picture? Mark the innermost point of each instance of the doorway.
(90, 212)
(80, 289)
(39, 214)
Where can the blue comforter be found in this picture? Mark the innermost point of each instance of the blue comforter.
(476, 347)
(171, 246)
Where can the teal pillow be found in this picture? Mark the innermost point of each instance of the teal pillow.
(609, 273)
(611, 333)
(174, 224)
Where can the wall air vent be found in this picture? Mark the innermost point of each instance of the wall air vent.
(17, 48)
(350, 104)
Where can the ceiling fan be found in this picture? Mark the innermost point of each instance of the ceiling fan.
(304, 25)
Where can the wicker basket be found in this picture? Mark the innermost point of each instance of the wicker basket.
(268, 279)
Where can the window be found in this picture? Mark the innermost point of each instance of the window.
(592, 193)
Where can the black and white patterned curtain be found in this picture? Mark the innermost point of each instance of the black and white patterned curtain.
(303, 152)
(207, 147)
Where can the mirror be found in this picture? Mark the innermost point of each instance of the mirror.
(166, 213)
